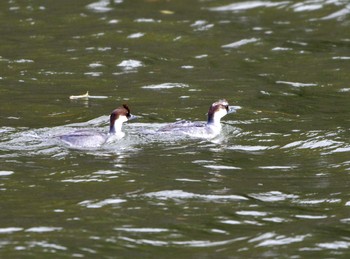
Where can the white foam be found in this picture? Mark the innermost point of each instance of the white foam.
(6, 173)
(130, 64)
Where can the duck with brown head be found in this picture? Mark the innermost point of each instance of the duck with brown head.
(210, 129)
(86, 138)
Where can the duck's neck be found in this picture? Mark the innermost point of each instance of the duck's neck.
(212, 121)
(116, 127)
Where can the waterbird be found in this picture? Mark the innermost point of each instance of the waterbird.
(209, 129)
(87, 138)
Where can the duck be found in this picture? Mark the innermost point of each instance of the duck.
(211, 128)
(88, 138)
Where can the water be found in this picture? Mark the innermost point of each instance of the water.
(274, 184)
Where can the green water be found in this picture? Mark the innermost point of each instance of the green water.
(274, 184)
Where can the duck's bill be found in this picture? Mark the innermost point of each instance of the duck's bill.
(232, 109)
(132, 117)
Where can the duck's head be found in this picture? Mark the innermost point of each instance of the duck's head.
(118, 116)
(218, 110)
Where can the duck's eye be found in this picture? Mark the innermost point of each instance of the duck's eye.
(226, 107)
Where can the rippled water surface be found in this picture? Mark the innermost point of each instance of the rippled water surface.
(274, 184)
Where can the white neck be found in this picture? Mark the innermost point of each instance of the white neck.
(216, 126)
(117, 127)
(216, 118)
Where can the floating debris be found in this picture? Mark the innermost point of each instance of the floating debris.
(166, 12)
(83, 96)
(86, 96)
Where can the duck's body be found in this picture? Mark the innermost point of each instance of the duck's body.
(86, 138)
(196, 129)
(211, 128)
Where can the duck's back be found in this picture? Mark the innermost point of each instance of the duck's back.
(84, 138)
(182, 126)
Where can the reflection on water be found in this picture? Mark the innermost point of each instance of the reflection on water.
(273, 184)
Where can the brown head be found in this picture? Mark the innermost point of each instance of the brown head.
(121, 114)
(218, 110)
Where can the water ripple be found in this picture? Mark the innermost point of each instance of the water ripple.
(9, 230)
(166, 86)
(240, 43)
(251, 148)
(202, 25)
(130, 64)
(335, 245)
(142, 230)
(6, 173)
(99, 204)
(296, 84)
(314, 143)
(300, 7)
(136, 35)
(191, 243)
(46, 245)
(247, 5)
(179, 194)
(222, 167)
(43, 229)
(272, 239)
(311, 216)
(272, 196)
(305, 6)
(341, 14)
(103, 6)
